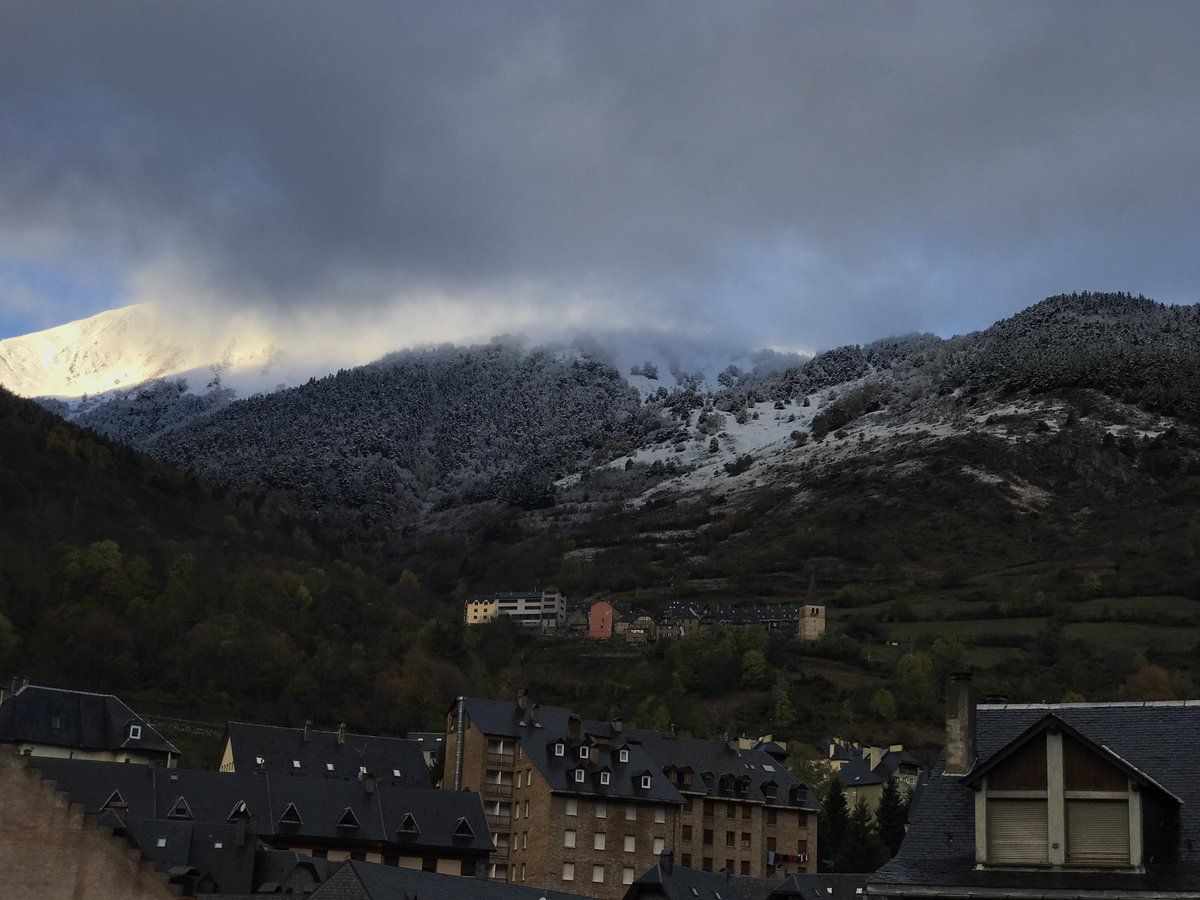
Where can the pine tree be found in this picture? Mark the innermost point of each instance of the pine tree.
(832, 825)
(861, 850)
(891, 816)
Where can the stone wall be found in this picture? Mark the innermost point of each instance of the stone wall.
(51, 851)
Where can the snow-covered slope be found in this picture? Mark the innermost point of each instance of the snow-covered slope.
(124, 347)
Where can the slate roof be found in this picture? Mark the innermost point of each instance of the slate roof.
(857, 772)
(371, 881)
(541, 727)
(826, 886)
(676, 882)
(1158, 739)
(321, 804)
(280, 747)
(37, 714)
(756, 768)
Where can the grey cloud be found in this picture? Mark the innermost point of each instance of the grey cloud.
(789, 173)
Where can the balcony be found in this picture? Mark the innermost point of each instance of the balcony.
(501, 760)
(500, 852)
(492, 789)
(499, 821)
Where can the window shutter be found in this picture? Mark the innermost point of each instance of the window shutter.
(1098, 832)
(1017, 832)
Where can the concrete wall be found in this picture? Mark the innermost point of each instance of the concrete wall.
(51, 851)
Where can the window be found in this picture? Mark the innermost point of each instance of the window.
(161, 842)
(568, 871)
(728, 865)
(623, 756)
(135, 732)
(771, 844)
(631, 813)
(627, 875)
(601, 810)
(258, 760)
(746, 812)
(708, 809)
(729, 839)
(569, 838)
(660, 844)
(328, 767)
(348, 819)
(522, 871)
(730, 811)
(745, 867)
(660, 814)
(686, 859)
(218, 845)
(645, 782)
(1017, 831)
(579, 775)
(560, 749)
(362, 770)
(708, 837)
(527, 809)
(771, 814)
(687, 804)
(295, 763)
(605, 778)
(597, 874)
(598, 841)
(517, 811)
(395, 772)
(630, 843)
(687, 832)
(706, 866)
(584, 751)
(1097, 832)
(572, 806)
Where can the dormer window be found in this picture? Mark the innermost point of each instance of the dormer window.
(623, 755)
(328, 767)
(295, 764)
(584, 751)
(135, 732)
(560, 749)
(258, 761)
(605, 778)
(395, 773)
(1053, 797)
(645, 782)
(579, 776)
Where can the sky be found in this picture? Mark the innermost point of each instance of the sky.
(786, 174)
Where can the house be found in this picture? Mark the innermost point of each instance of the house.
(46, 721)
(544, 612)
(573, 804)
(368, 881)
(865, 770)
(674, 882)
(743, 811)
(1086, 800)
(600, 621)
(642, 630)
(169, 811)
(310, 751)
(812, 622)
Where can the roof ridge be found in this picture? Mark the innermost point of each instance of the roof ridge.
(384, 737)
(46, 687)
(1100, 704)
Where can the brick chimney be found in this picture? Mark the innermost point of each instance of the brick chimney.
(960, 724)
(666, 861)
(341, 733)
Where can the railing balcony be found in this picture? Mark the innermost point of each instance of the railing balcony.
(494, 789)
(501, 759)
(499, 820)
(500, 852)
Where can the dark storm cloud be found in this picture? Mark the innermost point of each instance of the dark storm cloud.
(794, 173)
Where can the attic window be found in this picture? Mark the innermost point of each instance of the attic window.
(395, 773)
(180, 809)
(623, 756)
(115, 801)
(161, 842)
(295, 763)
(579, 776)
(645, 782)
(463, 829)
(408, 825)
(240, 811)
(258, 760)
(348, 819)
(217, 845)
(584, 751)
(362, 770)
(768, 768)
(605, 778)
(560, 749)
(291, 816)
(328, 767)
(135, 732)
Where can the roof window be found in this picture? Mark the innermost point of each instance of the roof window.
(291, 816)
(560, 749)
(295, 763)
(579, 776)
(180, 809)
(463, 829)
(135, 732)
(348, 819)
(114, 801)
(584, 751)
(623, 755)
(240, 811)
(328, 767)
(605, 778)
(408, 825)
(645, 782)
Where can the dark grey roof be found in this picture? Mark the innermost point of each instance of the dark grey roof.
(722, 760)
(37, 714)
(681, 883)
(371, 881)
(1159, 739)
(280, 747)
(858, 773)
(541, 727)
(826, 886)
(321, 804)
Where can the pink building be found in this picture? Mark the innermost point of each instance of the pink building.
(600, 621)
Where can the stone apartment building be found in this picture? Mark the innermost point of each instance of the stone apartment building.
(588, 806)
(543, 612)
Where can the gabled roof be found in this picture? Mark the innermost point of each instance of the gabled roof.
(57, 717)
(1051, 722)
(372, 881)
(1156, 739)
(281, 747)
(321, 804)
(676, 882)
(540, 728)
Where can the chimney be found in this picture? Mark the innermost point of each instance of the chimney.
(618, 725)
(341, 734)
(874, 757)
(666, 861)
(307, 728)
(522, 699)
(960, 724)
(574, 727)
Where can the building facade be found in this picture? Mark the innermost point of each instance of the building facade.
(812, 623)
(544, 612)
(42, 721)
(600, 621)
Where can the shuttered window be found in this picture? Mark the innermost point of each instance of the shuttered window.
(1017, 832)
(1097, 832)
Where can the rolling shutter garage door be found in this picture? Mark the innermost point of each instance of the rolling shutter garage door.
(1017, 832)
(1098, 832)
